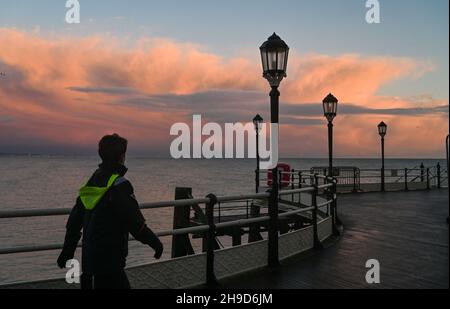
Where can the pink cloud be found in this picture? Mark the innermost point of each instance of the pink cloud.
(36, 95)
(350, 77)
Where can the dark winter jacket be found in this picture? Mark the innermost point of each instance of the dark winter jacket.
(107, 226)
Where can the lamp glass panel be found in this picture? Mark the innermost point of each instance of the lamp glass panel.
(272, 60)
(264, 61)
(281, 59)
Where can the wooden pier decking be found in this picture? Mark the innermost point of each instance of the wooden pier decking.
(405, 231)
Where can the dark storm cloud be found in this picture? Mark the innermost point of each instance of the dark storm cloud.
(6, 119)
(105, 90)
(242, 106)
(351, 109)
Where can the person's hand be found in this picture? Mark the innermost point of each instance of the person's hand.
(63, 258)
(159, 251)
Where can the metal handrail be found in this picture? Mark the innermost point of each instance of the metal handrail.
(242, 222)
(31, 213)
(175, 203)
(325, 204)
(241, 197)
(325, 186)
(307, 174)
(408, 171)
(27, 249)
(295, 212)
(302, 190)
(398, 170)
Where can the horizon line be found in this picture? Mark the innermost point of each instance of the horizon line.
(217, 159)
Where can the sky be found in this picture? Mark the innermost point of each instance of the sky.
(138, 67)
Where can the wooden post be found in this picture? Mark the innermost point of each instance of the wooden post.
(254, 230)
(211, 235)
(181, 244)
(428, 179)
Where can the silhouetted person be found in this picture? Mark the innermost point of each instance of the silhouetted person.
(106, 211)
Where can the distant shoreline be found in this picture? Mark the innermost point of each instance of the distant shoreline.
(168, 158)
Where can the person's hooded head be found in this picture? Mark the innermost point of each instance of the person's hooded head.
(112, 149)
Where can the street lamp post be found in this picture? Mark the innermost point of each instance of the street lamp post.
(382, 130)
(257, 121)
(330, 105)
(274, 57)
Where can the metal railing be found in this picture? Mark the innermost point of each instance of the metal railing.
(316, 184)
(353, 179)
(408, 178)
(345, 175)
(293, 179)
(407, 173)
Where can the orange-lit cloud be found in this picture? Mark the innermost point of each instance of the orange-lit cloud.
(353, 77)
(64, 93)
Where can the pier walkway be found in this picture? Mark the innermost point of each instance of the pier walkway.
(405, 231)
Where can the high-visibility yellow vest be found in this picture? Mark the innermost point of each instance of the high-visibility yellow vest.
(91, 196)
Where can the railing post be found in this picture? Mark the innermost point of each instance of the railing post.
(406, 179)
(317, 244)
(292, 179)
(300, 179)
(273, 222)
(329, 197)
(257, 180)
(338, 221)
(210, 241)
(422, 173)
(280, 180)
(293, 184)
(354, 181)
(334, 208)
(438, 171)
(428, 179)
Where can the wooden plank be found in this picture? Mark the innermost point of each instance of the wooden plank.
(405, 231)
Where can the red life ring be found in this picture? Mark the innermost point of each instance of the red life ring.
(285, 178)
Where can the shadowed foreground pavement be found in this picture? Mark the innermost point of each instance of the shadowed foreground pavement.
(405, 231)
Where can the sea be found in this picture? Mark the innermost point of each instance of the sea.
(43, 182)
